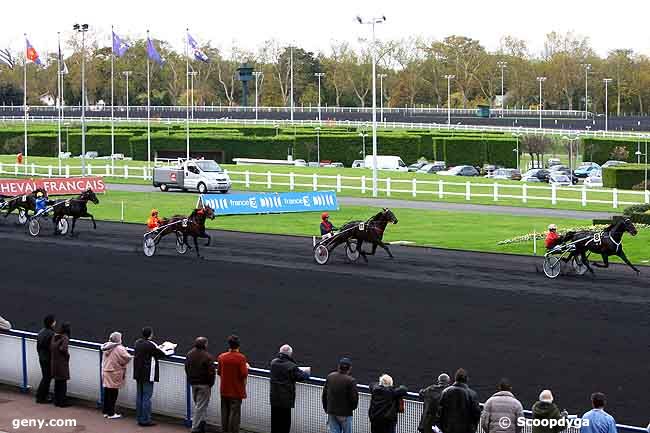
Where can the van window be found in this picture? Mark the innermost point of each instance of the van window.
(401, 163)
(193, 169)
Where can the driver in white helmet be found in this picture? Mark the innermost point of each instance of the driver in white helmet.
(552, 238)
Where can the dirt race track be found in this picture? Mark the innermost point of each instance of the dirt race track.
(425, 312)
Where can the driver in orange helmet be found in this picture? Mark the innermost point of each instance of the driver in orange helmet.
(326, 227)
(153, 222)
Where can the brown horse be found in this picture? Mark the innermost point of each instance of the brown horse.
(193, 225)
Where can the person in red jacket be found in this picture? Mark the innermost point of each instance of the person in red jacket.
(153, 222)
(326, 227)
(232, 368)
(552, 238)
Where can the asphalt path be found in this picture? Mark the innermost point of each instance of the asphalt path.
(424, 205)
(425, 312)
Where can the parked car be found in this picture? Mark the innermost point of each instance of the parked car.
(488, 170)
(334, 165)
(358, 163)
(558, 167)
(595, 180)
(386, 162)
(300, 163)
(536, 175)
(506, 174)
(418, 165)
(613, 163)
(553, 161)
(460, 170)
(559, 179)
(431, 168)
(586, 168)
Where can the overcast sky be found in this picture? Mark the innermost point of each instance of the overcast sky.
(313, 24)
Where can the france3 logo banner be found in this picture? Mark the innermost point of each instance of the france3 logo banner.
(259, 203)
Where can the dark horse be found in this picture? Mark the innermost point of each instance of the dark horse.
(24, 202)
(193, 225)
(371, 231)
(606, 243)
(74, 207)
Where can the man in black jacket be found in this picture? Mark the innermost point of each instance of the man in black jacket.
(43, 341)
(459, 407)
(145, 372)
(201, 373)
(340, 398)
(431, 398)
(284, 375)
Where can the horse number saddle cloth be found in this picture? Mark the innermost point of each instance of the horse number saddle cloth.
(362, 226)
(184, 222)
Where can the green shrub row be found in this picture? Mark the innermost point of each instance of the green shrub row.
(623, 177)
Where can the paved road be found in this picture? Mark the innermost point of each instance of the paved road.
(425, 312)
(427, 205)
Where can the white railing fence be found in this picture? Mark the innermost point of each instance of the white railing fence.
(404, 188)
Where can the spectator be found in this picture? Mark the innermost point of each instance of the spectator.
(502, 410)
(115, 358)
(599, 420)
(546, 409)
(284, 375)
(201, 374)
(431, 398)
(4, 324)
(340, 398)
(459, 407)
(232, 367)
(384, 405)
(60, 363)
(145, 373)
(43, 342)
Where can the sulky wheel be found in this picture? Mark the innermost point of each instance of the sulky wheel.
(62, 226)
(181, 247)
(351, 250)
(149, 246)
(321, 254)
(552, 266)
(34, 227)
(22, 216)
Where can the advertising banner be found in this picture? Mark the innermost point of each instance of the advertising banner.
(259, 202)
(54, 186)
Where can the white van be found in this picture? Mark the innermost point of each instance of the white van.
(386, 162)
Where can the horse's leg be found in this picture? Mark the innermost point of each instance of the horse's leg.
(205, 235)
(605, 263)
(585, 260)
(185, 240)
(196, 245)
(622, 255)
(385, 247)
(87, 215)
(74, 221)
(362, 253)
(55, 221)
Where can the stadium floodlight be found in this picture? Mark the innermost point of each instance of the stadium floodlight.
(319, 75)
(257, 75)
(606, 81)
(381, 96)
(83, 28)
(449, 78)
(540, 80)
(587, 67)
(502, 66)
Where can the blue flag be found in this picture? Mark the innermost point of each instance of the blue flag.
(196, 51)
(153, 53)
(119, 46)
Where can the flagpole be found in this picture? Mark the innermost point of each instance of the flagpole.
(187, 95)
(58, 89)
(25, 102)
(148, 109)
(112, 103)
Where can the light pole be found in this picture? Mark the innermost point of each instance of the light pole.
(256, 74)
(318, 144)
(571, 139)
(373, 21)
(319, 75)
(517, 135)
(502, 66)
(606, 81)
(126, 74)
(381, 96)
(192, 74)
(541, 80)
(291, 65)
(363, 136)
(449, 78)
(645, 178)
(587, 67)
(83, 28)
(67, 136)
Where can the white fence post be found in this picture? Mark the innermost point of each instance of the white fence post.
(269, 180)
(415, 187)
(108, 170)
(440, 189)
(315, 181)
(495, 193)
(67, 171)
(33, 169)
(388, 187)
(524, 193)
(468, 192)
(247, 179)
(90, 169)
(615, 198)
(291, 181)
(363, 184)
(15, 169)
(584, 195)
(1, 168)
(144, 172)
(49, 171)
(126, 172)
(338, 183)
(647, 196)
(553, 194)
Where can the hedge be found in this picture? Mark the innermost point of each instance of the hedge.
(623, 177)
(599, 150)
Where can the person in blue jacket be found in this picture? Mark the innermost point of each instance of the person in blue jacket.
(41, 203)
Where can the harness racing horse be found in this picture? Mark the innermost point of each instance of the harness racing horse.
(371, 231)
(607, 243)
(193, 225)
(25, 202)
(75, 207)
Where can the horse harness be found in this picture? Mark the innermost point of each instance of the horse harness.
(597, 240)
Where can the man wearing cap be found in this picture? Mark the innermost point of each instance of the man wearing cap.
(340, 398)
(431, 398)
(326, 227)
(284, 375)
(599, 420)
(546, 409)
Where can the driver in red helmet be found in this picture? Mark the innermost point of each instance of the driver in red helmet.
(326, 227)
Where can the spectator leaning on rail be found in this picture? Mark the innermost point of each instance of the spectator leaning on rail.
(431, 398)
(599, 420)
(384, 405)
(201, 375)
(232, 368)
(145, 372)
(502, 410)
(546, 409)
(60, 363)
(459, 407)
(115, 358)
(4, 324)
(340, 398)
(284, 375)
(43, 342)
